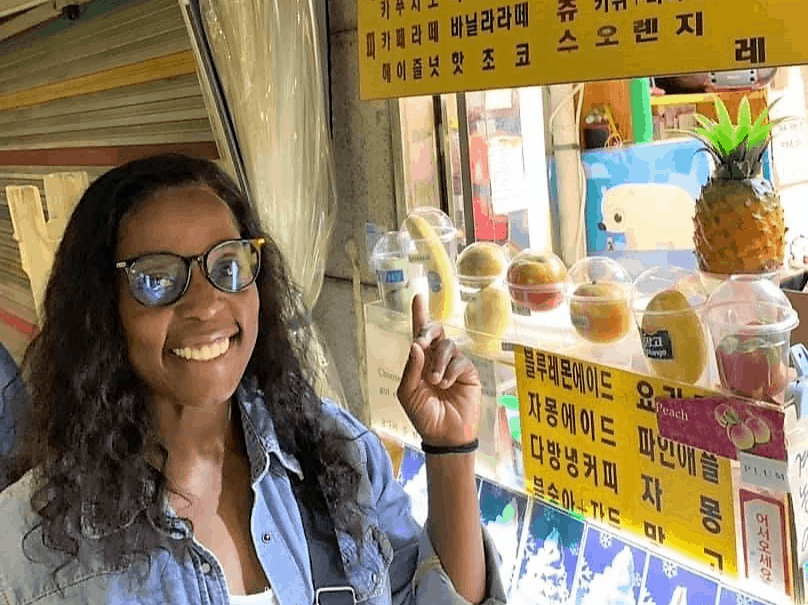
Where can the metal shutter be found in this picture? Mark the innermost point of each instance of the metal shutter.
(119, 83)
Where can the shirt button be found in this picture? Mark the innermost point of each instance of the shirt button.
(266, 537)
(205, 567)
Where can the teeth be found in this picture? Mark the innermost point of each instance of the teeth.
(205, 353)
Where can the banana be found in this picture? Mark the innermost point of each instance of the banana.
(487, 317)
(440, 274)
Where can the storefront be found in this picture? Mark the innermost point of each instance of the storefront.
(643, 431)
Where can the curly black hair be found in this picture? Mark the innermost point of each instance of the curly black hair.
(90, 428)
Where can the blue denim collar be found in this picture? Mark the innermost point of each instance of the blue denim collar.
(262, 450)
(259, 433)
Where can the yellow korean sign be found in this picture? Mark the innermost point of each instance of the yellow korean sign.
(418, 47)
(590, 443)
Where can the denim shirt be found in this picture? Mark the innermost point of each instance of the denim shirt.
(397, 563)
(14, 413)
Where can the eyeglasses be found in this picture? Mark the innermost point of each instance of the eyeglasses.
(161, 278)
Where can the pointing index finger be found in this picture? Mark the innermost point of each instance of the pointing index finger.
(420, 318)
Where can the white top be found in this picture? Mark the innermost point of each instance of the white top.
(259, 598)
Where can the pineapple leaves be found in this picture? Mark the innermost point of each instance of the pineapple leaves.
(737, 148)
(744, 126)
(704, 121)
(723, 132)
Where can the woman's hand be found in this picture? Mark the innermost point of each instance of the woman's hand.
(440, 388)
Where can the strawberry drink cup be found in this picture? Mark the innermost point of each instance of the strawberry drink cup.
(750, 321)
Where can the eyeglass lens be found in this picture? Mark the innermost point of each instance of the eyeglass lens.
(160, 279)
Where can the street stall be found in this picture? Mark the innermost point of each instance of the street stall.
(644, 434)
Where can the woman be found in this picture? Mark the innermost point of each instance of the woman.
(178, 453)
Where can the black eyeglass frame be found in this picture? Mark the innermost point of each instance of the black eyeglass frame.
(201, 260)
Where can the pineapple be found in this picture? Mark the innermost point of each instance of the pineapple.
(739, 225)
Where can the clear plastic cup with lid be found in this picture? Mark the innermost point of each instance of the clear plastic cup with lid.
(425, 225)
(599, 291)
(536, 280)
(668, 304)
(390, 261)
(479, 265)
(750, 321)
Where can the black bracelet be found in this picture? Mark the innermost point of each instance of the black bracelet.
(438, 450)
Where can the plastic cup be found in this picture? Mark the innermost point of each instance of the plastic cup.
(668, 304)
(750, 321)
(599, 294)
(537, 280)
(390, 261)
(479, 265)
(444, 229)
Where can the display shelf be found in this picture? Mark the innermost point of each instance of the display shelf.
(510, 468)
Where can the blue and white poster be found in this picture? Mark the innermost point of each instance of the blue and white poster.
(412, 478)
(610, 572)
(546, 569)
(730, 597)
(669, 584)
(503, 514)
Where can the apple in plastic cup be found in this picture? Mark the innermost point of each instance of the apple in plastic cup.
(600, 312)
(536, 280)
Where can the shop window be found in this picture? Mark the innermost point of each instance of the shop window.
(491, 148)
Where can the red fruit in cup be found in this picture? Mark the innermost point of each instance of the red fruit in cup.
(751, 366)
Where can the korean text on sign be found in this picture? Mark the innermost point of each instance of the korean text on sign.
(591, 444)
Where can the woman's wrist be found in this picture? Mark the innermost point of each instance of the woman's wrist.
(447, 450)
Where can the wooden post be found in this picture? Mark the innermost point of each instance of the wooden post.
(38, 238)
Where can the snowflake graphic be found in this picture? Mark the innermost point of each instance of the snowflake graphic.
(669, 569)
(574, 549)
(605, 540)
(636, 581)
(742, 599)
(549, 514)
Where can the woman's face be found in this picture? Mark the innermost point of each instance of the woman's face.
(186, 221)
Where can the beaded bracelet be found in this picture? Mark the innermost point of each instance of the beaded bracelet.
(438, 450)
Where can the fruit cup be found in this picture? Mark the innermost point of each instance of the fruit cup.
(668, 303)
(599, 292)
(390, 261)
(750, 320)
(432, 258)
(479, 265)
(536, 280)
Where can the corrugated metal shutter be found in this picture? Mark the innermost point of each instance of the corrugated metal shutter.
(117, 84)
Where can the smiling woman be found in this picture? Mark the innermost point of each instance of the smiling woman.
(177, 449)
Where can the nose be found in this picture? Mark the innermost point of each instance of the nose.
(601, 227)
(202, 300)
